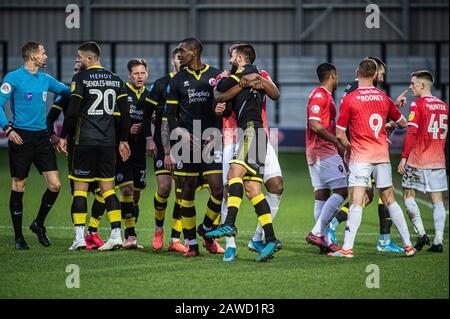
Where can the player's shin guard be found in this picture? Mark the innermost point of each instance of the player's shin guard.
(48, 199)
(439, 222)
(262, 210)
(413, 211)
(353, 223)
(399, 221)
(79, 209)
(234, 200)
(385, 222)
(127, 209)
(187, 210)
(112, 205)
(97, 210)
(177, 227)
(212, 212)
(160, 204)
(16, 210)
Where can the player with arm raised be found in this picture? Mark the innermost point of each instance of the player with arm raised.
(29, 141)
(423, 158)
(364, 113)
(90, 117)
(384, 244)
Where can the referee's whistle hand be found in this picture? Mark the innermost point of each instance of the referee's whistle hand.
(15, 138)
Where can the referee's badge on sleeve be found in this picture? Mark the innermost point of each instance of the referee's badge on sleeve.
(72, 87)
(6, 88)
(44, 96)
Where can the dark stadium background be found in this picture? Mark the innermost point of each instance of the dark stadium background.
(291, 37)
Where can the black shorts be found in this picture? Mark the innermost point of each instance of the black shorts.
(202, 167)
(36, 149)
(93, 163)
(250, 152)
(131, 172)
(158, 161)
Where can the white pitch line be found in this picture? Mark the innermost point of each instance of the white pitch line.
(419, 200)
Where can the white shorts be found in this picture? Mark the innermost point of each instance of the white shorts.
(271, 167)
(425, 180)
(361, 173)
(328, 173)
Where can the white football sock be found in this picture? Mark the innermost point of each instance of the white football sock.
(79, 233)
(439, 222)
(274, 202)
(396, 213)
(328, 210)
(413, 212)
(353, 223)
(115, 233)
(318, 204)
(229, 241)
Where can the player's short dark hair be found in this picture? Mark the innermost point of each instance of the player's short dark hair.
(233, 46)
(174, 53)
(91, 47)
(247, 51)
(193, 43)
(367, 68)
(378, 60)
(135, 62)
(424, 75)
(30, 48)
(324, 71)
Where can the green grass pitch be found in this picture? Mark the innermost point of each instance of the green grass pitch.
(297, 271)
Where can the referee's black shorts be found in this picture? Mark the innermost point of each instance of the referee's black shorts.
(36, 149)
(93, 163)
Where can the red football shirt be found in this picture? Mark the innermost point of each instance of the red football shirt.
(430, 116)
(321, 107)
(365, 111)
